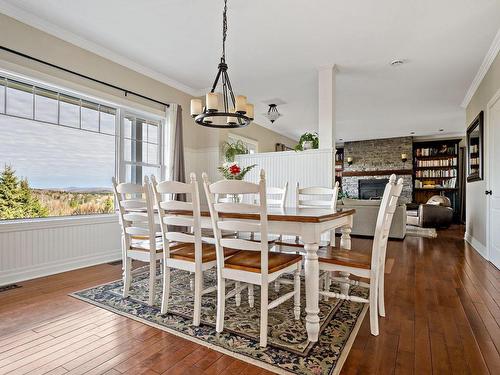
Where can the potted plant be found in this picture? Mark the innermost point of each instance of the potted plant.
(307, 141)
(231, 149)
(232, 171)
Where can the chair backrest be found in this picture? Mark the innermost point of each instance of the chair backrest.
(319, 197)
(165, 193)
(218, 209)
(386, 211)
(136, 212)
(276, 196)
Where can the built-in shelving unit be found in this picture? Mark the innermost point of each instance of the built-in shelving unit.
(339, 165)
(435, 170)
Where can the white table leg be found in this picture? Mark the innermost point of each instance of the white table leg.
(311, 267)
(345, 243)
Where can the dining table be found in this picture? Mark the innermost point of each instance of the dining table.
(309, 224)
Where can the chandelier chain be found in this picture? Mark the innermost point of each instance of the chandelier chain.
(224, 30)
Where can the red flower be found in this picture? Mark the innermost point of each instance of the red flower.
(234, 169)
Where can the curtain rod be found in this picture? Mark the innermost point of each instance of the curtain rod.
(82, 76)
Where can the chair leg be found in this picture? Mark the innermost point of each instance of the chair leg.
(264, 300)
(221, 301)
(373, 298)
(251, 299)
(381, 302)
(328, 284)
(191, 282)
(152, 279)
(198, 289)
(166, 288)
(276, 285)
(237, 297)
(296, 297)
(127, 275)
(332, 238)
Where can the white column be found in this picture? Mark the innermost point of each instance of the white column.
(326, 105)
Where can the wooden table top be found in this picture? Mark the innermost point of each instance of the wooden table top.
(293, 214)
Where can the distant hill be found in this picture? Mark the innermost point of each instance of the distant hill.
(75, 189)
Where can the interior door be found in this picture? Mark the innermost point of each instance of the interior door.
(494, 182)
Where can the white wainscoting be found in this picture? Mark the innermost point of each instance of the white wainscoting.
(40, 247)
(309, 168)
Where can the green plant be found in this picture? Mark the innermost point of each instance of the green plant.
(307, 137)
(232, 171)
(231, 149)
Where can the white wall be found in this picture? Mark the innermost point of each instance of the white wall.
(476, 200)
(35, 248)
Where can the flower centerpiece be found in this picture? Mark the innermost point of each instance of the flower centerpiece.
(232, 171)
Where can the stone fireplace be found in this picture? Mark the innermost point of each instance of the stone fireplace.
(375, 160)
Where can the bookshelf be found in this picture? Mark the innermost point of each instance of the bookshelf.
(339, 165)
(436, 170)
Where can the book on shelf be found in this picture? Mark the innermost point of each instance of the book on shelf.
(443, 150)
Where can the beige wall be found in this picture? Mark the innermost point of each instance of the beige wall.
(21, 37)
(476, 199)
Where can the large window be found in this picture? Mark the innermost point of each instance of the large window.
(141, 148)
(58, 151)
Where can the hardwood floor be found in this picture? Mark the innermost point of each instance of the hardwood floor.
(443, 316)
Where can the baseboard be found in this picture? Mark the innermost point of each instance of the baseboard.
(33, 272)
(476, 245)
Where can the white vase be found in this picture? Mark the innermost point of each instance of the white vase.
(307, 145)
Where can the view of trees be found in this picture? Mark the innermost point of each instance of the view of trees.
(18, 200)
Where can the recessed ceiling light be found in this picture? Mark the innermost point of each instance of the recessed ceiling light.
(412, 132)
(397, 62)
(341, 139)
(441, 130)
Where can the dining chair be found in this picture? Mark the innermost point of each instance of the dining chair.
(254, 264)
(363, 265)
(139, 239)
(276, 197)
(317, 197)
(183, 250)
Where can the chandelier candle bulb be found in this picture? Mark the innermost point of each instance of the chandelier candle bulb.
(196, 107)
(241, 104)
(212, 101)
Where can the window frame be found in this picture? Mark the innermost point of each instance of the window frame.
(119, 166)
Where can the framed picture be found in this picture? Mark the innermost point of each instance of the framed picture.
(475, 144)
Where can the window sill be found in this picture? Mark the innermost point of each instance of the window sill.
(56, 222)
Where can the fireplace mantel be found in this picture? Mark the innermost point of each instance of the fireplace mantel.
(383, 172)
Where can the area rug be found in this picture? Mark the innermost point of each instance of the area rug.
(288, 349)
(415, 231)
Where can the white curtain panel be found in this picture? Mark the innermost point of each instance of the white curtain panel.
(169, 140)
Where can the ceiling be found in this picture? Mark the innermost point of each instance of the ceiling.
(275, 48)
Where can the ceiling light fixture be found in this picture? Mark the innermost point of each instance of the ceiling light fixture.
(273, 114)
(232, 112)
(397, 62)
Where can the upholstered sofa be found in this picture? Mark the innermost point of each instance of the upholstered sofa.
(365, 217)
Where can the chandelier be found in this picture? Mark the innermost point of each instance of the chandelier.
(273, 114)
(223, 109)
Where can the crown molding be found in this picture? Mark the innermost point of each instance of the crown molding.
(483, 69)
(52, 29)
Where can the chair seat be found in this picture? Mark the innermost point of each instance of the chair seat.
(349, 258)
(143, 245)
(250, 261)
(186, 252)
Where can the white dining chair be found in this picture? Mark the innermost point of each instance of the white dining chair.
(363, 265)
(183, 250)
(139, 232)
(254, 264)
(276, 197)
(317, 197)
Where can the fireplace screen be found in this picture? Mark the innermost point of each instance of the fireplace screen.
(372, 188)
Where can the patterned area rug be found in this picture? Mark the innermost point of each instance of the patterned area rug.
(288, 350)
